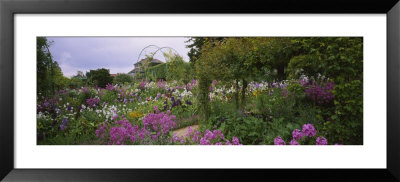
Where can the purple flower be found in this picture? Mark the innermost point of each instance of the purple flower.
(85, 89)
(284, 92)
(92, 102)
(158, 96)
(235, 141)
(159, 122)
(279, 141)
(297, 134)
(110, 87)
(64, 123)
(294, 142)
(320, 92)
(189, 131)
(142, 84)
(204, 141)
(209, 135)
(102, 130)
(196, 136)
(309, 130)
(321, 141)
(116, 116)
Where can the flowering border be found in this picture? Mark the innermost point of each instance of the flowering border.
(9, 8)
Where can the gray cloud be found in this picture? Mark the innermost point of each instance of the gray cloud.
(115, 53)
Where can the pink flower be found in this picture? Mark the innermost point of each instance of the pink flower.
(297, 134)
(309, 130)
(321, 141)
(279, 141)
(294, 142)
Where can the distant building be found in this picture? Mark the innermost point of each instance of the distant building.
(139, 66)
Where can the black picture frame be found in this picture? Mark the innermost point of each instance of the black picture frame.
(9, 8)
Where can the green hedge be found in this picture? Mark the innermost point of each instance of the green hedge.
(170, 71)
(157, 72)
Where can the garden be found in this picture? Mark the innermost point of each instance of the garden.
(233, 91)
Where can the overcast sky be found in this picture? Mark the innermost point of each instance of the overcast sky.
(118, 54)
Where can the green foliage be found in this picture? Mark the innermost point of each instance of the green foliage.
(196, 44)
(278, 127)
(203, 98)
(341, 59)
(274, 53)
(123, 78)
(176, 69)
(158, 72)
(249, 129)
(100, 77)
(49, 74)
(348, 118)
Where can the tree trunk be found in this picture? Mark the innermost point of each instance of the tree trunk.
(244, 81)
(281, 72)
(204, 99)
(237, 95)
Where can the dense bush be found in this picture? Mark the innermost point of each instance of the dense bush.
(158, 72)
(123, 79)
(100, 77)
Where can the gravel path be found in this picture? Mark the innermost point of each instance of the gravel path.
(183, 131)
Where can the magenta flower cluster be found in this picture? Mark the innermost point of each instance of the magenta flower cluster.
(142, 84)
(279, 141)
(159, 122)
(110, 87)
(102, 130)
(209, 137)
(320, 92)
(93, 102)
(321, 141)
(156, 127)
(124, 131)
(161, 84)
(191, 85)
(297, 134)
(307, 130)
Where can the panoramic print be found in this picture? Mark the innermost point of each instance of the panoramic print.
(199, 91)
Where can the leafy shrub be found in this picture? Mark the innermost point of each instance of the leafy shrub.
(123, 78)
(100, 77)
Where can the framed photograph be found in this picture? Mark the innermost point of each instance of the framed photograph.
(148, 90)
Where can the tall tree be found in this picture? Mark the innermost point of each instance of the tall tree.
(275, 53)
(196, 45)
(49, 74)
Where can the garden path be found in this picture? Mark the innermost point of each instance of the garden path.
(183, 131)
